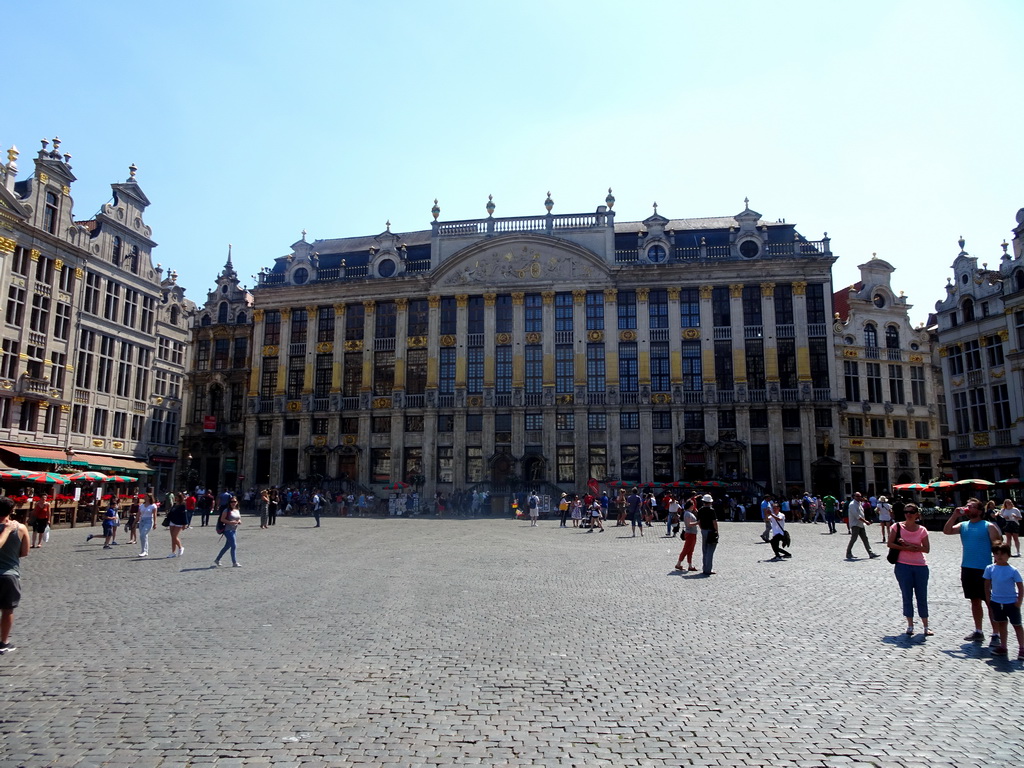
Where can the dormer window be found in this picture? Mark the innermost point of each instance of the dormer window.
(870, 336)
(174, 315)
(205, 321)
(222, 312)
(50, 213)
(892, 337)
(133, 259)
(1018, 280)
(657, 254)
(240, 318)
(115, 257)
(749, 249)
(968, 310)
(300, 276)
(879, 300)
(387, 268)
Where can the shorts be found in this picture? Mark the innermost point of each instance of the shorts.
(1006, 612)
(973, 582)
(109, 529)
(1011, 526)
(39, 526)
(10, 592)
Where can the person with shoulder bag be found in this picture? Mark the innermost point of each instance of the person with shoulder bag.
(227, 525)
(908, 545)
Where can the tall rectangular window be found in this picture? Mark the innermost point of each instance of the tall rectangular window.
(83, 370)
(874, 381)
(917, 386)
(626, 308)
(142, 377)
(91, 297)
(386, 324)
(752, 313)
(566, 460)
(755, 363)
(445, 464)
(721, 312)
(783, 301)
(416, 371)
(79, 419)
(417, 317)
(268, 377)
(39, 319)
(298, 326)
(99, 421)
(921, 430)
(449, 316)
(692, 376)
(597, 462)
(105, 370)
(203, 355)
(786, 350)
(475, 314)
(595, 368)
(296, 376)
(237, 401)
(112, 301)
(955, 360)
(661, 376)
(657, 308)
(355, 315)
(51, 421)
(595, 311)
(629, 461)
(148, 314)
(563, 311)
(821, 376)
(446, 370)
(534, 313)
(629, 368)
(221, 354)
(474, 464)
(564, 369)
(325, 324)
(960, 413)
(58, 369)
(352, 375)
(383, 372)
(689, 307)
(62, 322)
(1001, 407)
(793, 463)
(272, 327)
(131, 308)
(124, 369)
(120, 428)
(979, 411)
(503, 370)
(322, 375)
(851, 380)
(15, 312)
(20, 261)
(817, 312)
(972, 355)
(896, 390)
(475, 370)
(29, 416)
(723, 365)
(240, 356)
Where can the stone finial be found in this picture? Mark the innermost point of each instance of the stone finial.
(387, 225)
(655, 204)
(12, 156)
(132, 170)
(67, 158)
(436, 210)
(490, 205)
(961, 242)
(45, 143)
(610, 200)
(56, 143)
(549, 203)
(303, 235)
(746, 203)
(1005, 245)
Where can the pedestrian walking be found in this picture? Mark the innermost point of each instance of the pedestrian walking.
(177, 520)
(1011, 525)
(318, 504)
(533, 505)
(689, 535)
(595, 516)
(708, 522)
(780, 537)
(563, 510)
(831, 506)
(857, 522)
(110, 523)
(977, 537)
(621, 508)
(133, 520)
(910, 539)
(577, 512)
(884, 512)
(228, 523)
(636, 520)
(40, 521)
(14, 545)
(147, 521)
(672, 518)
(1004, 591)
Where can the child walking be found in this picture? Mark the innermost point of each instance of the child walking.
(1004, 589)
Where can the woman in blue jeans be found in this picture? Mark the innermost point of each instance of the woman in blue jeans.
(910, 539)
(230, 518)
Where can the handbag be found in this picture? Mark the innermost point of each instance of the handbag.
(713, 537)
(167, 521)
(893, 555)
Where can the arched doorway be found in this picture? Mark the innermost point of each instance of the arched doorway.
(502, 468)
(535, 469)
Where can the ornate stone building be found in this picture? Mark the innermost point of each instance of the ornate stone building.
(889, 420)
(218, 381)
(547, 348)
(94, 338)
(980, 325)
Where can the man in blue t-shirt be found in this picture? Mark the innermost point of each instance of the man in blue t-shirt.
(977, 537)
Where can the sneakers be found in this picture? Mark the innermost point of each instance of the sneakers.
(181, 551)
(873, 555)
(7, 648)
(89, 538)
(216, 563)
(113, 542)
(173, 554)
(995, 642)
(236, 565)
(143, 554)
(1020, 655)
(999, 651)
(106, 546)
(976, 635)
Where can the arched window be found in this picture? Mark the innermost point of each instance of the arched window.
(133, 259)
(870, 335)
(174, 315)
(115, 257)
(205, 320)
(222, 312)
(50, 213)
(240, 318)
(892, 337)
(968, 310)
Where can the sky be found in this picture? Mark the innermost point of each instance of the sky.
(888, 124)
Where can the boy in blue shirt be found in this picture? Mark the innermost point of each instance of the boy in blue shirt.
(1004, 590)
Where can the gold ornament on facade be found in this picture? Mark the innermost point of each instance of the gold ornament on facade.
(916, 359)
(65, 189)
(294, 406)
(416, 342)
(627, 336)
(800, 288)
(7, 384)
(58, 265)
(980, 439)
(1004, 335)
(117, 445)
(434, 302)
(691, 334)
(983, 341)
(447, 340)
(7, 245)
(610, 295)
(548, 297)
(368, 306)
(257, 315)
(998, 374)
(957, 382)
(79, 273)
(381, 402)
(312, 311)
(286, 313)
(661, 398)
(517, 298)
(97, 443)
(579, 296)
(320, 441)
(461, 300)
(706, 291)
(735, 290)
(348, 440)
(564, 399)
(642, 294)
(354, 345)
(489, 299)
(65, 408)
(595, 336)
(34, 254)
(851, 353)
(474, 401)
(533, 337)
(270, 350)
(44, 178)
(325, 347)
(339, 310)
(767, 290)
(943, 352)
(503, 339)
(673, 293)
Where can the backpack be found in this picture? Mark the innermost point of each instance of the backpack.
(220, 527)
(533, 502)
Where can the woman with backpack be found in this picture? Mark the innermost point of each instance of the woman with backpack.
(227, 525)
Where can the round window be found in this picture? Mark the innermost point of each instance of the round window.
(915, 346)
(964, 278)
(300, 276)
(849, 339)
(879, 300)
(749, 249)
(386, 268)
(657, 254)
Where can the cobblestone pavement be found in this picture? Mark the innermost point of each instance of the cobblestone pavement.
(394, 642)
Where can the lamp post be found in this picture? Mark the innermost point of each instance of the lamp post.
(191, 473)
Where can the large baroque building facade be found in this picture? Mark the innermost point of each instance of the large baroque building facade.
(94, 335)
(980, 326)
(889, 417)
(547, 348)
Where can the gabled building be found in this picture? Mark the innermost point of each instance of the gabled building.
(547, 349)
(980, 326)
(889, 420)
(88, 318)
(218, 378)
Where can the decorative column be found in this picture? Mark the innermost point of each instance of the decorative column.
(338, 349)
(739, 358)
(282, 357)
(401, 341)
(548, 341)
(461, 332)
(433, 341)
(489, 341)
(258, 335)
(803, 353)
(369, 342)
(611, 338)
(771, 352)
(580, 337)
(675, 339)
(518, 340)
(707, 349)
(312, 313)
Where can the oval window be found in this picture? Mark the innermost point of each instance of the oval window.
(300, 276)
(656, 254)
(749, 249)
(386, 268)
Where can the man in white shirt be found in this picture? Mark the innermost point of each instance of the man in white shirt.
(857, 523)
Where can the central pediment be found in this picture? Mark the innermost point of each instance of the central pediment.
(514, 260)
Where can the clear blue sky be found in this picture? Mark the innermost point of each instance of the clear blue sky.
(894, 125)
